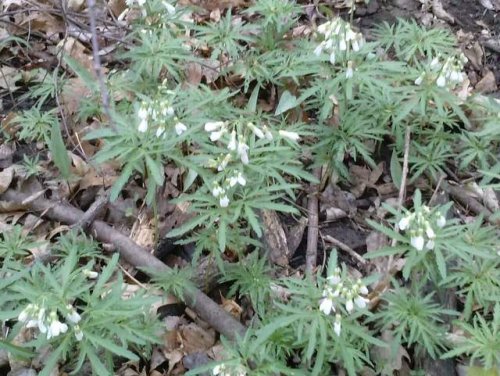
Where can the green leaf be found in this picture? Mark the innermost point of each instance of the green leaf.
(396, 170)
(253, 221)
(441, 263)
(268, 330)
(188, 226)
(155, 170)
(59, 152)
(221, 236)
(252, 102)
(18, 351)
(121, 181)
(287, 102)
(99, 368)
(110, 346)
(189, 179)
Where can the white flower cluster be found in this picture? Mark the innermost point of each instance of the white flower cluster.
(448, 73)
(224, 370)
(418, 226)
(34, 316)
(338, 290)
(159, 112)
(235, 137)
(338, 37)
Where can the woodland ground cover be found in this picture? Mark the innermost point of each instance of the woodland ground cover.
(262, 188)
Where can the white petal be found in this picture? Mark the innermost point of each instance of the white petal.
(441, 81)
(441, 221)
(143, 126)
(170, 8)
(349, 72)
(334, 279)
(326, 306)
(349, 306)
(430, 232)
(212, 126)
(241, 179)
(294, 136)
(360, 301)
(332, 58)
(78, 334)
(342, 45)
(224, 202)
(430, 244)
(214, 136)
(160, 131)
(417, 242)
(180, 128)
(403, 223)
(143, 113)
(232, 141)
(337, 326)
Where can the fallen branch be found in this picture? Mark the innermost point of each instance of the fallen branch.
(208, 310)
(312, 230)
(344, 247)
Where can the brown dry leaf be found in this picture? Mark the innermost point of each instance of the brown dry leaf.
(490, 200)
(193, 73)
(76, 50)
(475, 55)
(487, 84)
(196, 339)
(231, 307)
(8, 78)
(6, 178)
(439, 12)
(42, 22)
(174, 357)
(117, 6)
(143, 232)
(76, 5)
(73, 92)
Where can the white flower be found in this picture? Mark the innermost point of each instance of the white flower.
(355, 45)
(349, 305)
(342, 45)
(56, 327)
(90, 274)
(326, 306)
(168, 111)
(430, 232)
(332, 58)
(337, 326)
(143, 126)
(363, 289)
(349, 72)
(360, 301)
(73, 316)
(232, 141)
(334, 279)
(180, 128)
(256, 131)
(441, 81)
(404, 223)
(212, 126)
(267, 133)
(294, 136)
(214, 136)
(430, 244)
(441, 221)
(170, 8)
(237, 179)
(26, 313)
(141, 2)
(78, 333)
(417, 242)
(420, 79)
(159, 131)
(224, 202)
(143, 113)
(243, 151)
(434, 63)
(218, 369)
(217, 190)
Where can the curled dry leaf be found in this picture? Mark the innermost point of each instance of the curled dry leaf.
(6, 178)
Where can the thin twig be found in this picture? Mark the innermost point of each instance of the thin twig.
(97, 62)
(312, 230)
(344, 247)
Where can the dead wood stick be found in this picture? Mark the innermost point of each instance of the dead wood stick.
(344, 247)
(208, 310)
(312, 229)
(93, 211)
